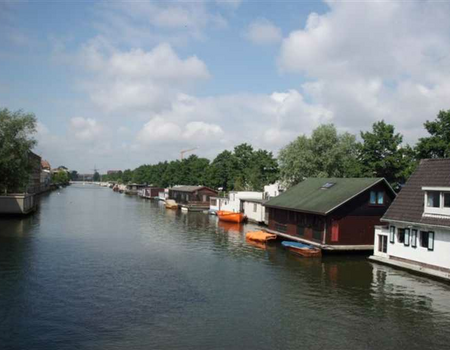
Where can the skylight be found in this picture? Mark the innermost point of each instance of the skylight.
(328, 185)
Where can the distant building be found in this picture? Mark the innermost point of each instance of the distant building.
(416, 234)
(85, 177)
(34, 183)
(46, 176)
(113, 172)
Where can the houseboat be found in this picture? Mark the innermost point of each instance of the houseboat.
(254, 209)
(132, 189)
(416, 228)
(331, 213)
(150, 192)
(193, 198)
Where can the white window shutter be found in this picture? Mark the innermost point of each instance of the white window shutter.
(430, 240)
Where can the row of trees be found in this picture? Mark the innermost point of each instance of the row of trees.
(380, 153)
(242, 169)
(326, 153)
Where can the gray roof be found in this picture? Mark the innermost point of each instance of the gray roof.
(409, 204)
(190, 188)
(253, 200)
(310, 195)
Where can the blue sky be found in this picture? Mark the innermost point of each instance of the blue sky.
(119, 84)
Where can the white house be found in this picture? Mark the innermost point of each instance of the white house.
(417, 231)
(254, 209)
(233, 202)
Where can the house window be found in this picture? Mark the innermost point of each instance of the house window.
(317, 234)
(401, 235)
(377, 197)
(446, 200)
(382, 243)
(300, 230)
(414, 238)
(433, 199)
(214, 202)
(407, 231)
(255, 207)
(392, 234)
(424, 239)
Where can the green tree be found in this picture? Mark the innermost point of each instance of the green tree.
(127, 176)
(96, 176)
(382, 154)
(438, 144)
(222, 171)
(16, 141)
(60, 177)
(73, 175)
(325, 154)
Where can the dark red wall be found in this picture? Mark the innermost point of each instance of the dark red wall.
(355, 220)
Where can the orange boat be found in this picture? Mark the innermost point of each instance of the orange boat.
(230, 216)
(260, 236)
(171, 204)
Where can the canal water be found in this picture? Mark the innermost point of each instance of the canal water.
(94, 269)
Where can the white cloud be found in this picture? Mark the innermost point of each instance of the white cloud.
(137, 79)
(150, 22)
(267, 121)
(85, 129)
(374, 60)
(263, 32)
(201, 131)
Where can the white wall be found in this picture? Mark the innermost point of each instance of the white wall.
(439, 256)
(234, 200)
(249, 211)
(272, 190)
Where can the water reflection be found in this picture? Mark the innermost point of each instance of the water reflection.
(101, 270)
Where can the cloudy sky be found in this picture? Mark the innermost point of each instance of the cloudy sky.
(117, 84)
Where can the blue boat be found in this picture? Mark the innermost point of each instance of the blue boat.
(302, 249)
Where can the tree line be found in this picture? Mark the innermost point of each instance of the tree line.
(326, 153)
(244, 168)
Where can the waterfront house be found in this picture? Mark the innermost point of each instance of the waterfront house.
(34, 183)
(150, 192)
(192, 197)
(331, 213)
(254, 208)
(416, 234)
(46, 176)
(233, 202)
(132, 189)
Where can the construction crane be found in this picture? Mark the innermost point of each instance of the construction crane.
(185, 151)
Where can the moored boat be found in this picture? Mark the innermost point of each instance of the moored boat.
(230, 216)
(171, 204)
(260, 236)
(302, 249)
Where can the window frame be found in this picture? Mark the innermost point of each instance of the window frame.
(376, 195)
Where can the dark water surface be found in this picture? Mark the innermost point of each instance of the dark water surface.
(94, 269)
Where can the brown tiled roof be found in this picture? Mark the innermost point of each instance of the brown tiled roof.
(45, 164)
(409, 204)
